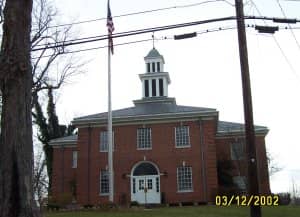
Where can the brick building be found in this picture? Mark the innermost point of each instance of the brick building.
(177, 153)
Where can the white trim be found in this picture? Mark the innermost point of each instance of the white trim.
(157, 87)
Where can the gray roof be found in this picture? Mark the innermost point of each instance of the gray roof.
(224, 128)
(153, 54)
(147, 109)
(230, 128)
(67, 140)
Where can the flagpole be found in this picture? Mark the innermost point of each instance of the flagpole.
(110, 28)
(109, 129)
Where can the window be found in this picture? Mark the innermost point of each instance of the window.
(149, 184)
(74, 159)
(184, 179)
(104, 141)
(158, 66)
(144, 138)
(146, 88)
(182, 137)
(153, 67)
(133, 186)
(104, 182)
(148, 67)
(237, 151)
(153, 87)
(141, 184)
(161, 87)
(157, 184)
(240, 182)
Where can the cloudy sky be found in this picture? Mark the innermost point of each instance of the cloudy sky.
(204, 70)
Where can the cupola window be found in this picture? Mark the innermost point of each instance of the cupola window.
(158, 66)
(153, 67)
(146, 88)
(161, 87)
(153, 87)
(148, 67)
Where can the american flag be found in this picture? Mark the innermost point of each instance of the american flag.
(110, 28)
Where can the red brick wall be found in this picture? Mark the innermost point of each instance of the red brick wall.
(63, 173)
(224, 153)
(163, 154)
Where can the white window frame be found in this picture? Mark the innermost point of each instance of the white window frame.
(233, 153)
(141, 139)
(185, 180)
(104, 147)
(74, 159)
(180, 139)
(103, 173)
(240, 182)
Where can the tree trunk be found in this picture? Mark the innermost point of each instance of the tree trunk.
(16, 149)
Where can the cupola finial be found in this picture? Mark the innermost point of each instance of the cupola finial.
(153, 40)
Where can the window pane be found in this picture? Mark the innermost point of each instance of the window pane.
(237, 151)
(145, 169)
(144, 138)
(104, 141)
(74, 159)
(182, 136)
(133, 185)
(184, 178)
(104, 182)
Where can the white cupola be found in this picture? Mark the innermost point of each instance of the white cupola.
(155, 81)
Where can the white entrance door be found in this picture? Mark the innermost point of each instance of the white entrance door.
(145, 189)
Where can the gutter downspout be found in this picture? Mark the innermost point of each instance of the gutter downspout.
(203, 163)
(88, 156)
(63, 168)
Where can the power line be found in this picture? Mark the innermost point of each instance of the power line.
(142, 31)
(278, 45)
(212, 30)
(143, 12)
(292, 32)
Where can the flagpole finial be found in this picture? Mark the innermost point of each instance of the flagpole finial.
(153, 40)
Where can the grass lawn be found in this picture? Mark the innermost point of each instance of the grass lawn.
(198, 211)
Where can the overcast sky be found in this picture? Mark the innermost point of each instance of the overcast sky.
(204, 70)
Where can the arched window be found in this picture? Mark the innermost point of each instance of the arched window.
(145, 169)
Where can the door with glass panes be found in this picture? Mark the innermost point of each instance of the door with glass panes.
(145, 184)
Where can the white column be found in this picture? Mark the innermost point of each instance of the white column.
(143, 88)
(150, 87)
(157, 86)
(165, 87)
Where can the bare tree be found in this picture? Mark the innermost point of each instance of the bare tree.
(273, 166)
(40, 178)
(51, 67)
(16, 192)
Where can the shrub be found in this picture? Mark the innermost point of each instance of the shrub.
(134, 203)
(284, 198)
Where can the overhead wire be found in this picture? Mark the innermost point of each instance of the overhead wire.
(278, 45)
(211, 30)
(141, 31)
(292, 32)
(143, 12)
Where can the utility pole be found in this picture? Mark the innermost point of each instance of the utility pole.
(253, 186)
